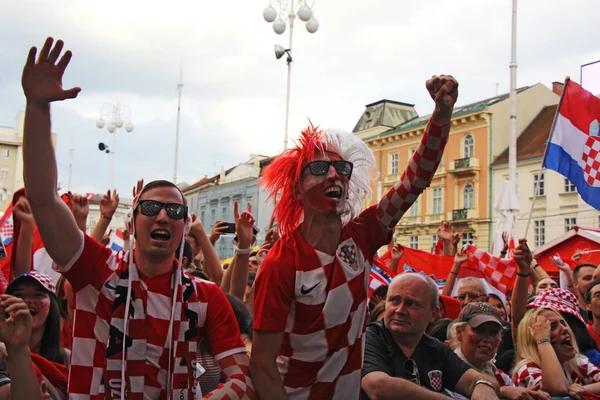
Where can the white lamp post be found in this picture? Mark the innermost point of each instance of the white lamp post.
(305, 13)
(114, 117)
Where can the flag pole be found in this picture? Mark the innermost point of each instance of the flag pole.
(542, 168)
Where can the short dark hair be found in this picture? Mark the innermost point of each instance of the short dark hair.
(198, 274)
(187, 252)
(161, 183)
(588, 293)
(580, 267)
(242, 314)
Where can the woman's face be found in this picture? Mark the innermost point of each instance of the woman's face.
(480, 344)
(544, 284)
(560, 336)
(37, 299)
(496, 302)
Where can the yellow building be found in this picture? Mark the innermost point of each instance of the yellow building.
(461, 189)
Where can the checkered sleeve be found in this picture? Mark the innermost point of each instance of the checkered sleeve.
(274, 289)
(527, 375)
(238, 384)
(588, 370)
(417, 176)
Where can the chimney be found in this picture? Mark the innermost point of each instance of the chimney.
(557, 87)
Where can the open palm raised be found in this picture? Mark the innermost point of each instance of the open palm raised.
(42, 78)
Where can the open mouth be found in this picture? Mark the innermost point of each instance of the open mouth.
(567, 342)
(160, 234)
(333, 192)
(485, 348)
(33, 313)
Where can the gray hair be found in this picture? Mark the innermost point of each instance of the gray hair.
(451, 333)
(433, 287)
(476, 281)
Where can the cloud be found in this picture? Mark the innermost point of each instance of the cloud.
(234, 89)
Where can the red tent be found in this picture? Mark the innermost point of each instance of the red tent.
(576, 239)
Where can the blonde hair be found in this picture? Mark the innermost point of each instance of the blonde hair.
(527, 351)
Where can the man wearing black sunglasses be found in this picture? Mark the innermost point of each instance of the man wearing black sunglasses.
(311, 294)
(139, 317)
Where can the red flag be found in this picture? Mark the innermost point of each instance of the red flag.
(435, 266)
(498, 272)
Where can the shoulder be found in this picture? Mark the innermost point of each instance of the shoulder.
(503, 378)
(377, 333)
(525, 371)
(368, 215)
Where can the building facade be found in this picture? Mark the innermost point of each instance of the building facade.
(557, 207)
(212, 199)
(461, 190)
(11, 160)
(119, 218)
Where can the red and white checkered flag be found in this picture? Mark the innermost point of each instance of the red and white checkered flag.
(498, 272)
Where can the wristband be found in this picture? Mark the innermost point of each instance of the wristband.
(106, 216)
(523, 275)
(452, 272)
(243, 251)
(545, 340)
(486, 383)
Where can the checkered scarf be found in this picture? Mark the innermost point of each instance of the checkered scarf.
(498, 272)
(184, 330)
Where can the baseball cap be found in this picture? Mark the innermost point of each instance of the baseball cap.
(558, 299)
(44, 280)
(479, 313)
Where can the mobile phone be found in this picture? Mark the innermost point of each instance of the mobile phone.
(230, 227)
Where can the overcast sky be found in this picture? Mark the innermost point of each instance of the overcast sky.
(234, 89)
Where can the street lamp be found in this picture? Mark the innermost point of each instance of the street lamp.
(305, 13)
(114, 117)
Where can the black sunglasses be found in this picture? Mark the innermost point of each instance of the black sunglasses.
(413, 371)
(151, 208)
(320, 167)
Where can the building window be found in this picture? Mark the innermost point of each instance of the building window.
(538, 184)
(202, 216)
(569, 187)
(468, 196)
(6, 153)
(539, 232)
(224, 212)
(213, 216)
(414, 242)
(4, 173)
(434, 240)
(394, 163)
(570, 223)
(437, 201)
(467, 238)
(414, 209)
(469, 146)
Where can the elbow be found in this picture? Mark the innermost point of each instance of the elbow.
(373, 387)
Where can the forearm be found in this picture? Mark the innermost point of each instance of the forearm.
(448, 249)
(387, 388)
(554, 380)
(226, 281)
(24, 384)
(126, 244)
(81, 222)
(211, 260)
(394, 265)
(518, 301)
(451, 280)
(267, 381)
(250, 300)
(417, 176)
(100, 228)
(239, 275)
(593, 387)
(22, 258)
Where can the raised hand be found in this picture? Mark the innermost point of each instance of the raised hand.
(42, 79)
(505, 239)
(80, 206)
(445, 231)
(243, 227)
(443, 90)
(138, 187)
(397, 252)
(460, 258)
(457, 237)
(218, 229)
(523, 257)
(539, 328)
(109, 204)
(22, 211)
(15, 322)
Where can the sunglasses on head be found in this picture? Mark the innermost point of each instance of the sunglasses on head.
(411, 367)
(320, 167)
(151, 208)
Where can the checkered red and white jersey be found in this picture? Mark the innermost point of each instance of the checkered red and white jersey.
(528, 375)
(319, 301)
(93, 276)
(502, 378)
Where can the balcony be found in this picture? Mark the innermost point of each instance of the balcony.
(464, 166)
(463, 214)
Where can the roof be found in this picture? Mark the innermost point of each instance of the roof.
(390, 101)
(385, 113)
(577, 239)
(201, 182)
(462, 110)
(532, 142)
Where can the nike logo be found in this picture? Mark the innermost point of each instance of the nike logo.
(107, 285)
(303, 290)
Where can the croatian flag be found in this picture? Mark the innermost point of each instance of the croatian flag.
(116, 243)
(574, 146)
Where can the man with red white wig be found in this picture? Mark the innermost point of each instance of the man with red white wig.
(311, 293)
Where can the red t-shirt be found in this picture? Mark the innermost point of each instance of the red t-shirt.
(592, 332)
(319, 301)
(93, 276)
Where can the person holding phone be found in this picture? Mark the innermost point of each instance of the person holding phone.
(310, 299)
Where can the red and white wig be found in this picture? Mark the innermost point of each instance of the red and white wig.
(282, 177)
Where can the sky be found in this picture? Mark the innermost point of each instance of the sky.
(233, 103)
